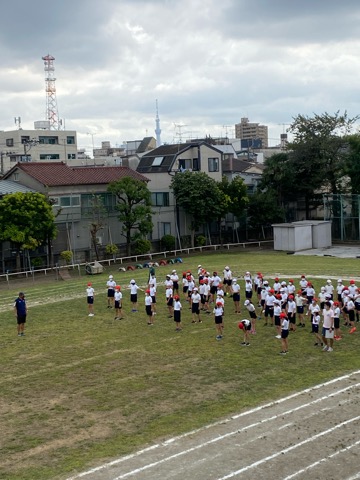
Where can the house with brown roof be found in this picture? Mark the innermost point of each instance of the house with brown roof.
(72, 190)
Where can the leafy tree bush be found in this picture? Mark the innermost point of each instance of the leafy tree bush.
(141, 246)
(134, 207)
(111, 249)
(67, 256)
(200, 241)
(168, 242)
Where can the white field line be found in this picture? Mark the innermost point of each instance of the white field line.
(287, 450)
(325, 459)
(355, 477)
(218, 438)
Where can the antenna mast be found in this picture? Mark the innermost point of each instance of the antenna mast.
(52, 114)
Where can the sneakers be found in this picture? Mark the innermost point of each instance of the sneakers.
(330, 349)
(325, 348)
(352, 330)
(337, 338)
(91, 314)
(218, 337)
(19, 335)
(277, 336)
(247, 344)
(243, 344)
(283, 352)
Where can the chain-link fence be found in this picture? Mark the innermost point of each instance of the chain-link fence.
(344, 213)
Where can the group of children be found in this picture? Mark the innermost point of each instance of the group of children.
(282, 304)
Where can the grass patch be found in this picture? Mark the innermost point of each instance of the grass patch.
(77, 391)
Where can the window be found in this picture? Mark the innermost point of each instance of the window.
(157, 161)
(164, 229)
(213, 164)
(49, 156)
(160, 199)
(106, 201)
(9, 142)
(16, 177)
(25, 139)
(70, 140)
(189, 164)
(48, 140)
(71, 156)
(69, 201)
(54, 201)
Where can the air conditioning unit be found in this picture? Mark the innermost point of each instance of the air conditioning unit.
(99, 240)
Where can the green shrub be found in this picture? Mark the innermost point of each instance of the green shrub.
(168, 242)
(66, 255)
(141, 246)
(36, 262)
(111, 249)
(200, 241)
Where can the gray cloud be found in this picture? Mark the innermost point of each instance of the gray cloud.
(207, 63)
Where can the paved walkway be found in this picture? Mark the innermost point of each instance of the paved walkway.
(342, 251)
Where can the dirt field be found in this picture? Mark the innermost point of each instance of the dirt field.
(314, 434)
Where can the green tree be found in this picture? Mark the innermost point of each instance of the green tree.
(318, 155)
(236, 195)
(134, 207)
(352, 164)
(200, 196)
(26, 220)
(97, 214)
(263, 210)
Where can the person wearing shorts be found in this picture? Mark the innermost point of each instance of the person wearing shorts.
(284, 333)
(118, 302)
(90, 292)
(20, 310)
(235, 290)
(177, 313)
(111, 284)
(269, 307)
(245, 326)
(328, 328)
(252, 313)
(218, 317)
(315, 322)
(148, 309)
(133, 295)
(195, 306)
(277, 322)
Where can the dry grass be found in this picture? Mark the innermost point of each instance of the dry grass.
(77, 390)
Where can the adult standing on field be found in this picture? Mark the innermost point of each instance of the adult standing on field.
(20, 309)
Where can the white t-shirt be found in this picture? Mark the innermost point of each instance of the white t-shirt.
(328, 318)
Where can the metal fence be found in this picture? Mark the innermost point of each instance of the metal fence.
(79, 268)
(344, 213)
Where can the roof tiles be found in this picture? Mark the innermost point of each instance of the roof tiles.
(54, 174)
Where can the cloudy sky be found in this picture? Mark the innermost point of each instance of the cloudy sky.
(208, 62)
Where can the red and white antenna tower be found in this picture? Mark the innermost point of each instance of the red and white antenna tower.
(52, 114)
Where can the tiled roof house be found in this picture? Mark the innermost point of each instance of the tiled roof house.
(72, 190)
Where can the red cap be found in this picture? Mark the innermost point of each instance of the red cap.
(241, 325)
(282, 315)
(89, 284)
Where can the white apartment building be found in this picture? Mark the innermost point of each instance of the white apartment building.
(40, 144)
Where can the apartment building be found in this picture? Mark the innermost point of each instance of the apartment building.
(253, 135)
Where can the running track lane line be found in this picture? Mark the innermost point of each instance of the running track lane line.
(322, 460)
(248, 412)
(286, 450)
(229, 434)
